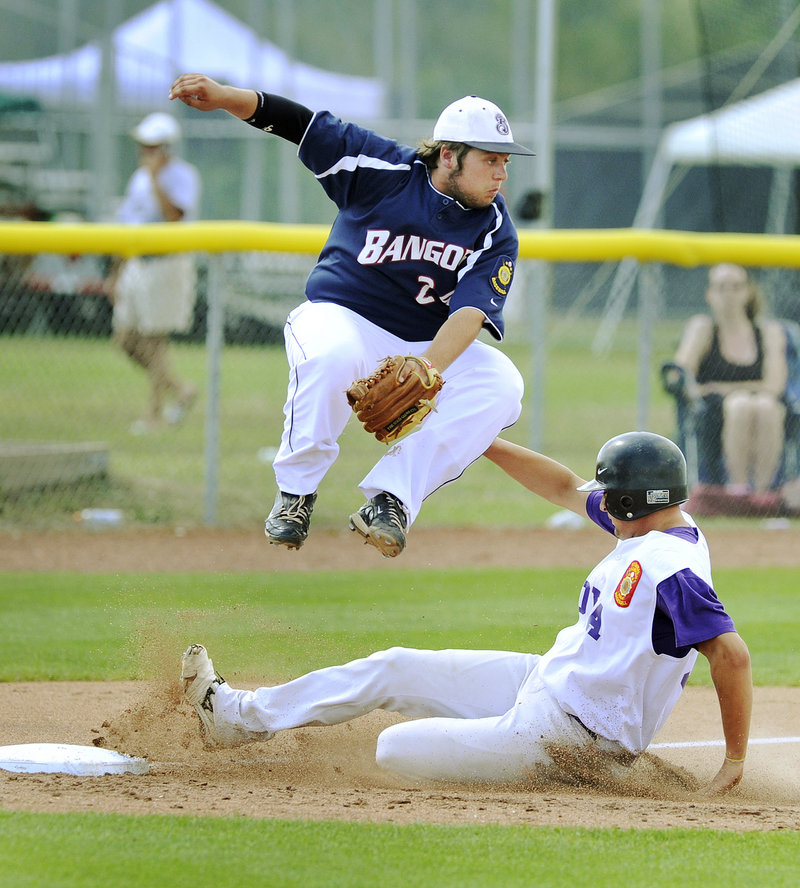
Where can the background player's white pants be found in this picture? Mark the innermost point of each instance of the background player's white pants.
(329, 346)
(482, 715)
(156, 296)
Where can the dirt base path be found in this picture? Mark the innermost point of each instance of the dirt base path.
(210, 550)
(330, 773)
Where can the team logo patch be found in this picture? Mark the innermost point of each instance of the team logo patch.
(657, 497)
(502, 125)
(627, 585)
(503, 273)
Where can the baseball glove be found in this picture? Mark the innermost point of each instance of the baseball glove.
(388, 408)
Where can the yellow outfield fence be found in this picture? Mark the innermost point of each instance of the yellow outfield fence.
(681, 248)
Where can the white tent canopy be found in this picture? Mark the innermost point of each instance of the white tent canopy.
(760, 131)
(763, 130)
(174, 36)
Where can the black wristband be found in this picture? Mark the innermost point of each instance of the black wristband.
(280, 116)
(258, 113)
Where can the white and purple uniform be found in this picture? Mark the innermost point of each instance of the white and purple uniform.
(621, 668)
(608, 682)
(401, 257)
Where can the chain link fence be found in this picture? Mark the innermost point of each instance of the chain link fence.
(70, 397)
(70, 447)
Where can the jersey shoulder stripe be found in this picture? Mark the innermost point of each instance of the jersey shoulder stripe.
(363, 161)
(488, 239)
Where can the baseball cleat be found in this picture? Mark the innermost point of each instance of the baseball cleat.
(199, 682)
(382, 522)
(287, 523)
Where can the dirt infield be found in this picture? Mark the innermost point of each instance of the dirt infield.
(329, 773)
(208, 550)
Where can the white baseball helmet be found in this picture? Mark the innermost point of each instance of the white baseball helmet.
(478, 123)
(157, 128)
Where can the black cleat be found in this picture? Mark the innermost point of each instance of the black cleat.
(287, 523)
(382, 522)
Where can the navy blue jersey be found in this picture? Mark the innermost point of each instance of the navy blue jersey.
(400, 253)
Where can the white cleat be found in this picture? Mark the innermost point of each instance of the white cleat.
(200, 681)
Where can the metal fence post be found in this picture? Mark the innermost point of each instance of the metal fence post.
(215, 331)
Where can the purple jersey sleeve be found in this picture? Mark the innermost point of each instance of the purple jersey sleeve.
(596, 514)
(696, 613)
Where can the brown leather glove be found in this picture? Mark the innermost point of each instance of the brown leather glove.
(389, 408)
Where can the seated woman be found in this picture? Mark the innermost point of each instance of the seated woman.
(735, 365)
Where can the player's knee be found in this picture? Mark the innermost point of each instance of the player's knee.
(391, 752)
(507, 391)
(384, 751)
(393, 658)
(515, 385)
(505, 379)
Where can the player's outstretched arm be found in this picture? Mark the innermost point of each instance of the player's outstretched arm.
(201, 92)
(544, 476)
(729, 660)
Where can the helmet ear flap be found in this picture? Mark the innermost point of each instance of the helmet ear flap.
(620, 505)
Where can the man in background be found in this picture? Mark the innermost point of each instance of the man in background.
(154, 296)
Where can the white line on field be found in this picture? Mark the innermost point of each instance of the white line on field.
(686, 744)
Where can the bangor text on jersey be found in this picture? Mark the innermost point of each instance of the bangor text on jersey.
(403, 248)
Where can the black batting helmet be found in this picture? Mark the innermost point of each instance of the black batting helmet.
(640, 473)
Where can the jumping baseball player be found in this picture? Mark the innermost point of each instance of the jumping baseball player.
(597, 697)
(419, 260)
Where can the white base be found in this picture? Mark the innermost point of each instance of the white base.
(64, 758)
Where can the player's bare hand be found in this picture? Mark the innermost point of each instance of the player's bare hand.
(728, 776)
(199, 91)
(205, 94)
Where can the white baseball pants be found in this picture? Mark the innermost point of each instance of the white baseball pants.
(481, 715)
(328, 346)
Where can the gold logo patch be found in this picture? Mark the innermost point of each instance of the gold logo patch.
(627, 585)
(502, 278)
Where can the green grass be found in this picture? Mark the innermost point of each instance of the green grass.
(62, 389)
(260, 626)
(263, 626)
(74, 851)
